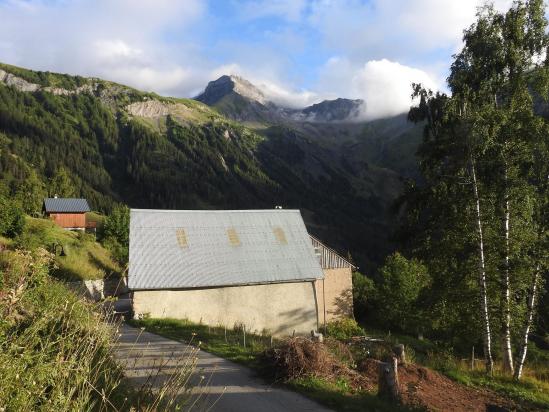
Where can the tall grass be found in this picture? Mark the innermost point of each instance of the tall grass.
(55, 348)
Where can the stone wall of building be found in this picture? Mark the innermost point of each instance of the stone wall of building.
(278, 309)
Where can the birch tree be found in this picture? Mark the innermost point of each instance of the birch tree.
(491, 137)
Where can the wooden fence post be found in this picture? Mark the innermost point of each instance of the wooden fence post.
(399, 352)
(473, 359)
(388, 380)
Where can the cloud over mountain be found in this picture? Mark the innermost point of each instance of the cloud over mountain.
(300, 52)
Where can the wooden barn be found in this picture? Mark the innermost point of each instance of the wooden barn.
(69, 213)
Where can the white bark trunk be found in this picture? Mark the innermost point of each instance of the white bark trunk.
(507, 348)
(487, 335)
(529, 318)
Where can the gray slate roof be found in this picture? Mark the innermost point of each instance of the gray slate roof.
(66, 205)
(191, 248)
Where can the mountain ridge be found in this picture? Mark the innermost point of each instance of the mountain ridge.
(241, 100)
(120, 144)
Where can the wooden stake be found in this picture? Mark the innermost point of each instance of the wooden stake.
(473, 359)
(388, 380)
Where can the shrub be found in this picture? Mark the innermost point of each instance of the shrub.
(116, 233)
(364, 296)
(343, 329)
(12, 217)
(401, 285)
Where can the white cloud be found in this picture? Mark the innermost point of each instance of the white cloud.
(172, 47)
(384, 85)
(120, 40)
(395, 29)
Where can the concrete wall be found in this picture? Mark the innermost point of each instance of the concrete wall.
(99, 289)
(335, 294)
(277, 308)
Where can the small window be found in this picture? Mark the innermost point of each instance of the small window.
(181, 238)
(233, 237)
(280, 235)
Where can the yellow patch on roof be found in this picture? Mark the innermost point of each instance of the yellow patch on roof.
(181, 238)
(233, 236)
(280, 235)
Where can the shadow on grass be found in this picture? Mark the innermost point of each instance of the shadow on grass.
(338, 397)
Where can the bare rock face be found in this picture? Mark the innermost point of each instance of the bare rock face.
(20, 84)
(149, 108)
(225, 85)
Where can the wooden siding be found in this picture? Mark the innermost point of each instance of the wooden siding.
(329, 259)
(69, 220)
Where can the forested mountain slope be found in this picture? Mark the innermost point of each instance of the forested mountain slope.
(122, 145)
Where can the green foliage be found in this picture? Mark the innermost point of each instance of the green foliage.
(31, 193)
(61, 184)
(364, 295)
(116, 233)
(55, 350)
(399, 292)
(12, 218)
(484, 160)
(343, 329)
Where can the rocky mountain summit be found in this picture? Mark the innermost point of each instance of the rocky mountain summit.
(240, 100)
(226, 85)
(338, 110)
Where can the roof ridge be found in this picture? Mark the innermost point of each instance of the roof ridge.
(214, 210)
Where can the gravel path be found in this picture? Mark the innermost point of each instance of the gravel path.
(141, 353)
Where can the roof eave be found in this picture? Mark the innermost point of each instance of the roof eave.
(225, 286)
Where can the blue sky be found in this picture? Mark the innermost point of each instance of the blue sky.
(298, 51)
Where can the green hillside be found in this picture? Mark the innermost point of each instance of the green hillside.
(120, 145)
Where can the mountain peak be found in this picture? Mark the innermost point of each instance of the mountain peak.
(227, 84)
(338, 110)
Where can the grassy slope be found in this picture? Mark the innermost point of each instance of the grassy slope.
(82, 257)
(54, 347)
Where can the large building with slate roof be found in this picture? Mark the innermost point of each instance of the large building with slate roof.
(69, 213)
(257, 268)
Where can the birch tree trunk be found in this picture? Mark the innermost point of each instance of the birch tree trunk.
(529, 318)
(487, 335)
(507, 348)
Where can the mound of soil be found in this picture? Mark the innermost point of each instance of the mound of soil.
(433, 391)
(419, 386)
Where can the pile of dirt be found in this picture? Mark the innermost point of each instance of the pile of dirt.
(433, 391)
(419, 386)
